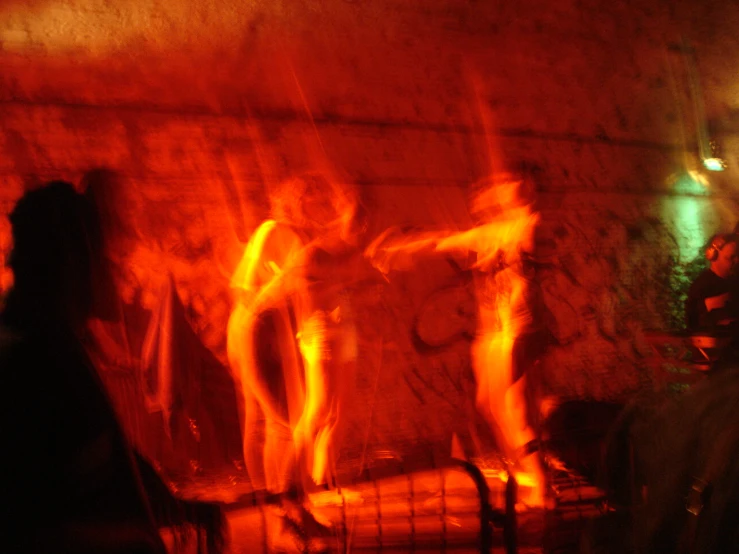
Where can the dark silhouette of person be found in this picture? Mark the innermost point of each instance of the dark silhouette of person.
(73, 482)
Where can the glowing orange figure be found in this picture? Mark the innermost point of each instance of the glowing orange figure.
(328, 343)
(296, 288)
(502, 310)
(263, 353)
(327, 337)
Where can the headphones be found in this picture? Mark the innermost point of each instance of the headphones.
(718, 242)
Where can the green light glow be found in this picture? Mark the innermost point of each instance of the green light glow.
(690, 182)
(691, 234)
(689, 214)
(684, 212)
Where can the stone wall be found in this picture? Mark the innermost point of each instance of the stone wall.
(203, 106)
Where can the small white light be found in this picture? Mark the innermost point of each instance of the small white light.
(714, 164)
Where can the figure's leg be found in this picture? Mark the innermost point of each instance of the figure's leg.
(242, 330)
(254, 355)
(492, 384)
(503, 402)
(271, 363)
(524, 409)
(279, 457)
(252, 442)
(315, 353)
(321, 462)
(326, 450)
(332, 420)
(279, 370)
(304, 433)
(529, 461)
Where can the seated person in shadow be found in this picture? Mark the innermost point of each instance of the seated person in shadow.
(72, 482)
(711, 305)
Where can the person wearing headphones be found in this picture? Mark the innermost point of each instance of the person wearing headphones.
(711, 304)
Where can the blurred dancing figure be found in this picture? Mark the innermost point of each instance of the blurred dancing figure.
(291, 337)
(507, 342)
(328, 268)
(263, 352)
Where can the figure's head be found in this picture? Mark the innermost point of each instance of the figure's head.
(314, 203)
(57, 249)
(501, 206)
(722, 253)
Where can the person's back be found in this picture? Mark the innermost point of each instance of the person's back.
(69, 477)
(71, 481)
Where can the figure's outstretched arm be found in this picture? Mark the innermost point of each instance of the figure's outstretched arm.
(395, 250)
(511, 231)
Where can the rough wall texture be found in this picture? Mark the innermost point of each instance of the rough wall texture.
(203, 105)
